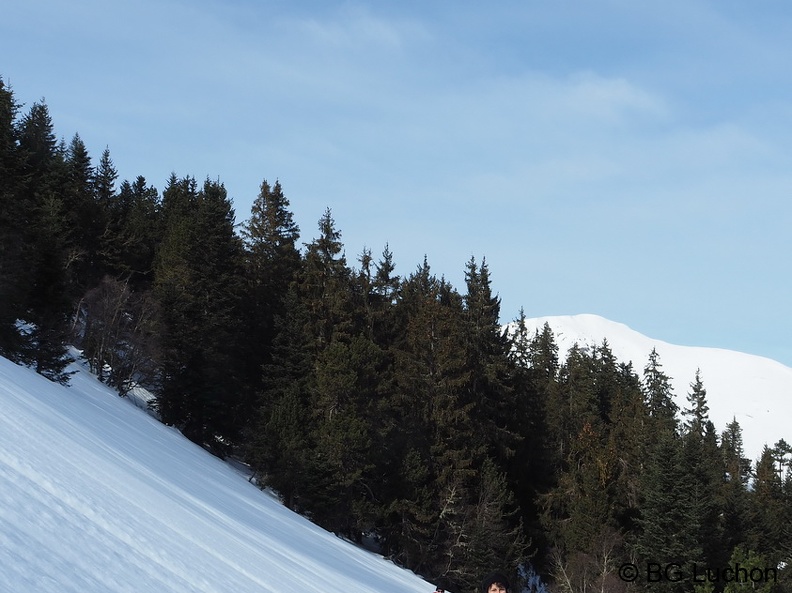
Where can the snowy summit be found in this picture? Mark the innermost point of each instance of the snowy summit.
(756, 391)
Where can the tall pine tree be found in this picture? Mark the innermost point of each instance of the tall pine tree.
(48, 246)
(197, 282)
(272, 263)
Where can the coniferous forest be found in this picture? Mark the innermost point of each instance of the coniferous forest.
(391, 409)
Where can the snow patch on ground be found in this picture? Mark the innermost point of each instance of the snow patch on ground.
(96, 496)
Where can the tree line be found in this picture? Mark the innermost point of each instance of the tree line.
(392, 410)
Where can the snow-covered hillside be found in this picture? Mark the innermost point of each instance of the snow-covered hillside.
(98, 497)
(755, 390)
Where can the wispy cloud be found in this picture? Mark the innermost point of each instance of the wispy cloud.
(530, 132)
(357, 29)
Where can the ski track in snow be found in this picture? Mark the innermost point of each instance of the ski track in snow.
(96, 496)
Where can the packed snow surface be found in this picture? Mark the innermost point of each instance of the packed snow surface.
(756, 391)
(96, 496)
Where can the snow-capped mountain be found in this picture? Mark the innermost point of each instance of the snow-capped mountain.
(96, 496)
(756, 391)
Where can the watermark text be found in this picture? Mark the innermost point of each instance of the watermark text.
(656, 572)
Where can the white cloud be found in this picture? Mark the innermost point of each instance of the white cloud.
(357, 28)
(609, 100)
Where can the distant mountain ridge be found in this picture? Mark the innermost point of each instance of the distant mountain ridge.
(756, 391)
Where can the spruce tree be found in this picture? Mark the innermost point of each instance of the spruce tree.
(701, 462)
(627, 445)
(134, 230)
(48, 250)
(345, 410)
(14, 250)
(38, 143)
(431, 377)
(85, 218)
(768, 532)
(444, 428)
(280, 445)
(197, 282)
(105, 180)
(379, 289)
(534, 367)
(682, 511)
(697, 413)
(272, 263)
(666, 518)
(579, 511)
(658, 396)
(376, 289)
(544, 381)
(487, 360)
(324, 284)
(494, 534)
(734, 493)
(751, 563)
(322, 366)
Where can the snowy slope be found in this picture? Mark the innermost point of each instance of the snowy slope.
(98, 497)
(755, 390)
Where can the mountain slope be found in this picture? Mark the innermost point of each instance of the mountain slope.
(755, 390)
(98, 497)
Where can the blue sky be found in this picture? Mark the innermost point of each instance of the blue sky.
(628, 159)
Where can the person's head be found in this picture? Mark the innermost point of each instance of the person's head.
(495, 583)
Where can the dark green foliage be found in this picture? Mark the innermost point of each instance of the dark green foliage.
(85, 217)
(41, 278)
(272, 263)
(734, 494)
(105, 180)
(319, 361)
(751, 561)
(626, 445)
(658, 396)
(347, 394)
(134, 230)
(270, 238)
(48, 302)
(768, 531)
(579, 508)
(324, 285)
(197, 282)
(666, 519)
(697, 414)
(14, 207)
(597, 429)
(376, 293)
(703, 463)
(682, 518)
(492, 536)
(425, 374)
(446, 424)
(534, 376)
(279, 446)
(487, 347)
(38, 144)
